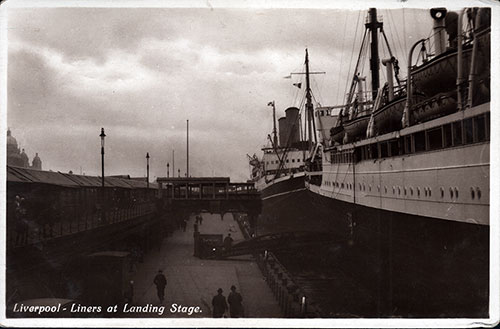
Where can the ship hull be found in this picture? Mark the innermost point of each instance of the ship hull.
(393, 264)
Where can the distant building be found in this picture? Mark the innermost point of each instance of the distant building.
(19, 158)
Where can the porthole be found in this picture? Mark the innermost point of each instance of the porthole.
(378, 188)
(370, 188)
(425, 191)
(385, 189)
(411, 191)
(478, 192)
(430, 191)
(456, 192)
(472, 193)
(451, 193)
(405, 191)
(399, 190)
(442, 192)
(393, 190)
(418, 192)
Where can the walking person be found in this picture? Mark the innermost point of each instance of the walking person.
(235, 303)
(184, 225)
(228, 242)
(219, 304)
(161, 282)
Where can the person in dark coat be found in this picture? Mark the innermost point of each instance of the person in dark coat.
(235, 306)
(228, 242)
(161, 282)
(219, 304)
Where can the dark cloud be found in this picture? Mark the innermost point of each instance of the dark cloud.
(140, 73)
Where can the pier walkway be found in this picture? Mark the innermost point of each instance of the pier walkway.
(193, 281)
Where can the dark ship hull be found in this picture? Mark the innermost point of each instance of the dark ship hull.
(391, 264)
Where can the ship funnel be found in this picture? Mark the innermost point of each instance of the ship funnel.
(439, 14)
(283, 131)
(292, 121)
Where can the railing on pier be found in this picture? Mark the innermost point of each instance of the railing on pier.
(33, 231)
(293, 301)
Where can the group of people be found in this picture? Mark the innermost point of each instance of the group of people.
(220, 306)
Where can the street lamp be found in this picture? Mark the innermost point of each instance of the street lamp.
(168, 169)
(103, 210)
(147, 169)
(102, 135)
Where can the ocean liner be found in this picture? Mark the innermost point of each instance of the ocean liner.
(281, 169)
(402, 172)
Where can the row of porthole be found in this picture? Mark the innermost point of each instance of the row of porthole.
(453, 191)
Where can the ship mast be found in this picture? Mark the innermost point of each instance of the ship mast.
(275, 134)
(373, 25)
(309, 105)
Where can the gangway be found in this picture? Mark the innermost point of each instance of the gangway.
(276, 242)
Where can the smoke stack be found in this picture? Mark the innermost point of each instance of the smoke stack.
(438, 14)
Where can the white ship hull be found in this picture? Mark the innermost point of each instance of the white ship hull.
(449, 183)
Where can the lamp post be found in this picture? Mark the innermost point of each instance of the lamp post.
(103, 210)
(168, 169)
(102, 135)
(147, 169)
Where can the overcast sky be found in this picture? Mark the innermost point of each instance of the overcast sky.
(140, 73)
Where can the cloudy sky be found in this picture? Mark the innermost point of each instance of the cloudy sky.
(140, 73)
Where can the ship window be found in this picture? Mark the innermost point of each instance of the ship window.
(408, 144)
(383, 150)
(480, 128)
(456, 192)
(419, 141)
(487, 125)
(442, 192)
(418, 192)
(451, 193)
(447, 135)
(287, 160)
(430, 191)
(342, 185)
(394, 147)
(385, 189)
(373, 151)
(472, 193)
(468, 130)
(435, 138)
(293, 160)
(457, 133)
(478, 193)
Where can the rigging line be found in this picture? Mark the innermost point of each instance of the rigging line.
(384, 54)
(390, 32)
(356, 69)
(402, 50)
(341, 60)
(317, 89)
(349, 78)
(404, 29)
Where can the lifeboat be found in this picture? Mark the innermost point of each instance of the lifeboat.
(337, 134)
(357, 126)
(437, 106)
(388, 117)
(440, 73)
